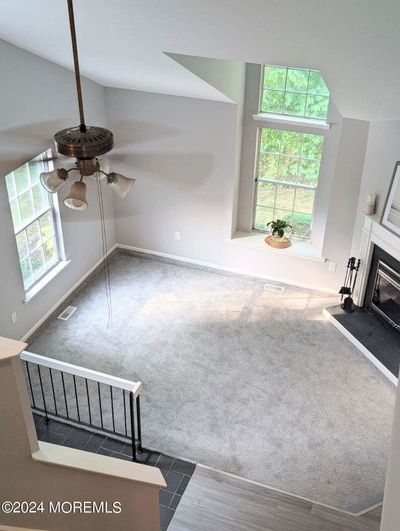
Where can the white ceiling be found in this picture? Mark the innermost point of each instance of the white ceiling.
(355, 43)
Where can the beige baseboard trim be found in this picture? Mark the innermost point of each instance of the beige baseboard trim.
(297, 496)
(225, 268)
(66, 295)
(369, 509)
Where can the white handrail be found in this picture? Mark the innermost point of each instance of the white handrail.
(101, 377)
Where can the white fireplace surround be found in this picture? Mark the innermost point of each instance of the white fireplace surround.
(373, 233)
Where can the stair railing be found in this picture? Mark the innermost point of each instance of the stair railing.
(83, 397)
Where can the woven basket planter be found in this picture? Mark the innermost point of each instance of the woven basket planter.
(278, 243)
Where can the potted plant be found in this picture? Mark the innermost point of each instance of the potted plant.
(277, 237)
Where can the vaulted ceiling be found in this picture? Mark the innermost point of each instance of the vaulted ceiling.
(125, 43)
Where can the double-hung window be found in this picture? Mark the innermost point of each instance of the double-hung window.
(289, 159)
(36, 220)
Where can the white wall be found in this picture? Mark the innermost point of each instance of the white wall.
(391, 507)
(182, 153)
(339, 181)
(225, 76)
(345, 190)
(185, 155)
(37, 98)
(381, 155)
(383, 150)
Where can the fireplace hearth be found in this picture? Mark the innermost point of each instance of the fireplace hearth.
(374, 328)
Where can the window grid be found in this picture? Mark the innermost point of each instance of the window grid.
(307, 92)
(35, 227)
(300, 219)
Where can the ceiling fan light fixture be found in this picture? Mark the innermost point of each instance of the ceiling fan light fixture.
(102, 169)
(53, 180)
(76, 199)
(119, 183)
(84, 143)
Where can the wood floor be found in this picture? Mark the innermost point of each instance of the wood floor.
(216, 502)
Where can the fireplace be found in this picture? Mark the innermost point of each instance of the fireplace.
(383, 288)
(374, 326)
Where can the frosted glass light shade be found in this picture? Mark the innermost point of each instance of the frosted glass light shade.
(77, 197)
(104, 165)
(119, 183)
(104, 168)
(53, 180)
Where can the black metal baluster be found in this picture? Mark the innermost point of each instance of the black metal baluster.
(43, 398)
(52, 388)
(65, 394)
(139, 424)
(134, 433)
(88, 401)
(126, 427)
(30, 384)
(101, 411)
(132, 415)
(76, 398)
(112, 408)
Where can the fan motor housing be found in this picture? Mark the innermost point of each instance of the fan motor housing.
(93, 142)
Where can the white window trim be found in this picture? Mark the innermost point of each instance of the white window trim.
(246, 202)
(53, 207)
(290, 117)
(44, 280)
(256, 240)
(256, 180)
(287, 121)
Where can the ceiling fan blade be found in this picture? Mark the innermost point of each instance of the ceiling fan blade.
(40, 132)
(55, 158)
(118, 155)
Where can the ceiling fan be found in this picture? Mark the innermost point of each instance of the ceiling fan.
(84, 143)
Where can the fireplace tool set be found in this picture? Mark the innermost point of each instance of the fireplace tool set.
(353, 266)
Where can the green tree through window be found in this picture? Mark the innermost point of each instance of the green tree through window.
(32, 212)
(294, 92)
(288, 161)
(287, 177)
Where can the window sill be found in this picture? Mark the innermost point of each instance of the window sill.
(292, 120)
(32, 292)
(255, 240)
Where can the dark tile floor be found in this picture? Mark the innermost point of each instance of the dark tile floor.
(177, 473)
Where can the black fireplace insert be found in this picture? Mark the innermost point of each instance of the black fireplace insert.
(383, 288)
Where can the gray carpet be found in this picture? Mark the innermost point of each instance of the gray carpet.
(236, 377)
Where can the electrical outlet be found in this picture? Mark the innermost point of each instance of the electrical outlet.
(332, 266)
(14, 317)
(177, 235)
